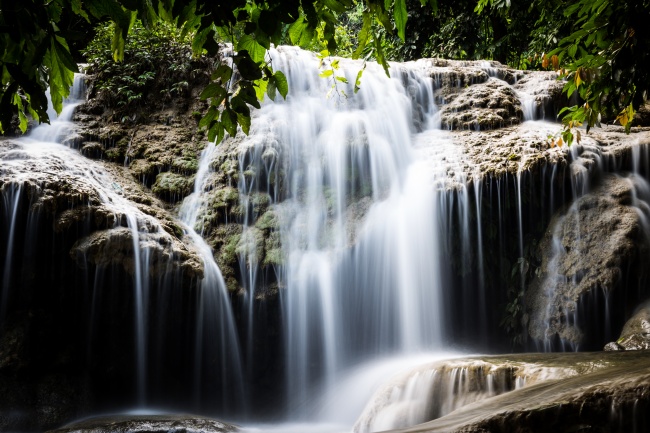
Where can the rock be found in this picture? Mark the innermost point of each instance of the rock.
(636, 332)
(172, 187)
(148, 424)
(488, 105)
(584, 254)
(614, 395)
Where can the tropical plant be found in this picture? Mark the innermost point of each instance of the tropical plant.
(35, 53)
(606, 61)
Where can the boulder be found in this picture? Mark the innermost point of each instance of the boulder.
(589, 251)
(148, 424)
(611, 395)
(489, 105)
(636, 332)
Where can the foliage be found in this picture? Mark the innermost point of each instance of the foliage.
(605, 61)
(35, 52)
(157, 62)
(602, 46)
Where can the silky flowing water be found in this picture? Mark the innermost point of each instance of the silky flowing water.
(371, 198)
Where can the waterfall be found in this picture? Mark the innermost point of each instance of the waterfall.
(215, 326)
(136, 241)
(349, 148)
(389, 242)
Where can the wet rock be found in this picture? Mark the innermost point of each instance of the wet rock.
(636, 332)
(172, 187)
(612, 395)
(148, 424)
(488, 105)
(585, 253)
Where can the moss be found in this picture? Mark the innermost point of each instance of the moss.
(228, 251)
(273, 250)
(172, 187)
(251, 244)
(260, 202)
(187, 166)
(268, 221)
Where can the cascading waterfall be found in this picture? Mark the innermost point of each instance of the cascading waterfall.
(352, 148)
(215, 327)
(151, 266)
(380, 216)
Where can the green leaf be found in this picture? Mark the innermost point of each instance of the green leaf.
(342, 79)
(363, 36)
(401, 15)
(248, 95)
(260, 88)
(244, 122)
(223, 73)
(77, 9)
(281, 83)
(301, 33)
(18, 102)
(357, 81)
(61, 77)
(326, 73)
(335, 6)
(207, 120)
(64, 54)
(255, 50)
(248, 69)
(199, 40)
(270, 90)
(240, 107)
(215, 91)
(229, 121)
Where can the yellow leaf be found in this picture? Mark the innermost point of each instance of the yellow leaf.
(622, 118)
(556, 62)
(544, 62)
(559, 142)
(578, 80)
(578, 136)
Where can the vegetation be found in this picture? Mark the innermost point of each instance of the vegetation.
(600, 46)
(157, 65)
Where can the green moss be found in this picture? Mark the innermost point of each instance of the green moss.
(268, 221)
(228, 252)
(172, 186)
(260, 202)
(273, 250)
(251, 244)
(187, 166)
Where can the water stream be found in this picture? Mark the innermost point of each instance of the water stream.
(380, 215)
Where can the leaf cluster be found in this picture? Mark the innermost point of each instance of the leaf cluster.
(158, 65)
(606, 60)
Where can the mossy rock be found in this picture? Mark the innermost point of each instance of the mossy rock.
(268, 221)
(187, 166)
(172, 187)
(273, 255)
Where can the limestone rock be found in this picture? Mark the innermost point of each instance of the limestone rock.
(636, 332)
(584, 253)
(611, 396)
(148, 424)
(488, 105)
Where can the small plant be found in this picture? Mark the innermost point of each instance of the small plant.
(158, 66)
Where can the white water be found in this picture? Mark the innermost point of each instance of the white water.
(215, 328)
(43, 153)
(382, 296)
(360, 284)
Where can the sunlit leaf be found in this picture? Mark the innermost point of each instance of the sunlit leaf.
(281, 83)
(401, 15)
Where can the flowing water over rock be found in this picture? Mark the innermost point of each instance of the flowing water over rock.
(348, 237)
